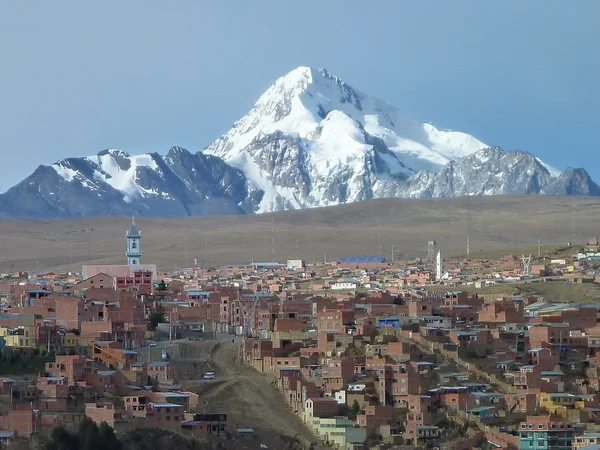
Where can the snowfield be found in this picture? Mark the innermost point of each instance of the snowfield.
(310, 140)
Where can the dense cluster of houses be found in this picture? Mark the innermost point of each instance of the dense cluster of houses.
(360, 349)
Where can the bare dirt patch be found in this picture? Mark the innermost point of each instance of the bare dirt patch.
(248, 398)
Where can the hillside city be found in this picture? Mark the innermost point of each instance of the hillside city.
(358, 353)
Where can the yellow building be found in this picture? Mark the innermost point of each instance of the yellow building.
(18, 336)
(564, 404)
(70, 340)
(338, 431)
(588, 438)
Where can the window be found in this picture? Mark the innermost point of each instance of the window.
(134, 244)
(540, 426)
(168, 417)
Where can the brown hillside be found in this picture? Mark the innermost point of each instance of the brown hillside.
(364, 228)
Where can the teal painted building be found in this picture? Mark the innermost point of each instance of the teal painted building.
(546, 433)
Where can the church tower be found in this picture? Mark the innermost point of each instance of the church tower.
(134, 244)
(438, 267)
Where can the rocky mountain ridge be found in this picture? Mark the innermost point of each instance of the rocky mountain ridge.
(310, 140)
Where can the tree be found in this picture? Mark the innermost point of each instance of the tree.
(162, 286)
(61, 439)
(353, 351)
(157, 316)
(88, 436)
(373, 439)
(107, 435)
(354, 410)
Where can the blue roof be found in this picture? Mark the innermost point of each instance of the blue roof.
(359, 259)
(267, 264)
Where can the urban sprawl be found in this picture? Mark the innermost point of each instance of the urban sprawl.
(367, 352)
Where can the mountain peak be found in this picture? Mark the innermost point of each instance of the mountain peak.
(309, 74)
(299, 73)
(114, 152)
(310, 140)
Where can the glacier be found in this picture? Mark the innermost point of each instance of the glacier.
(310, 140)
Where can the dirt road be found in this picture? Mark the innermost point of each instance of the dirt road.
(248, 398)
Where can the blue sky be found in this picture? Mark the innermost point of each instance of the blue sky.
(144, 75)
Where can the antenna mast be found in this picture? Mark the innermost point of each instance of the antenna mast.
(247, 314)
(272, 237)
(378, 237)
(573, 220)
(468, 223)
(431, 250)
(526, 265)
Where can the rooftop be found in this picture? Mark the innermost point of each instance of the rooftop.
(166, 405)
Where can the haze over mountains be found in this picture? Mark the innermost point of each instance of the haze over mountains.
(310, 140)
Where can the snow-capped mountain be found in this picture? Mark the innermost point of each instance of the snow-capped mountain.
(313, 140)
(114, 183)
(310, 140)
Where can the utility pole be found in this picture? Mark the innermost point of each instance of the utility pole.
(272, 237)
(469, 225)
(378, 237)
(573, 220)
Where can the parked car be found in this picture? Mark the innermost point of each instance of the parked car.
(209, 376)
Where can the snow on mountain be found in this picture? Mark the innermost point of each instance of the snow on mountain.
(310, 140)
(336, 128)
(113, 167)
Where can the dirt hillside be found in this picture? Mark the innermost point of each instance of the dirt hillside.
(247, 396)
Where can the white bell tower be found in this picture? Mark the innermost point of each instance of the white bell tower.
(439, 267)
(134, 244)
